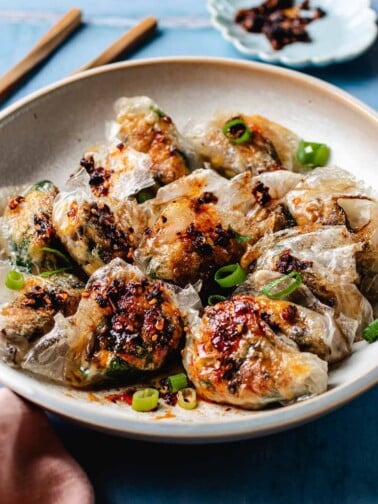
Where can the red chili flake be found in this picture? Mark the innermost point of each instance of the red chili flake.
(261, 193)
(290, 313)
(286, 263)
(126, 397)
(169, 398)
(88, 163)
(14, 202)
(205, 199)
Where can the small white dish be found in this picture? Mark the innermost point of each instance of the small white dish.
(347, 30)
(45, 134)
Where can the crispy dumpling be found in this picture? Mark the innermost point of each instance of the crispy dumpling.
(116, 171)
(266, 211)
(27, 223)
(270, 146)
(325, 257)
(9, 192)
(332, 196)
(213, 214)
(142, 125)
(193, 232)
(125, 326)
(341, 325)
(96, 230)
(332, 249)
(235, 354)
(29, 313)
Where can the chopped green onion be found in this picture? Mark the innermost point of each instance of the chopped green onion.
(177, 382)
(187, 398)
(144, 195)
(312, 154)
(230, 275)
(214, 299)
(145, 400)
(370, 332)
(267, 290)
(14, 280)
(237, 131)
(56, 252)
(49, 273)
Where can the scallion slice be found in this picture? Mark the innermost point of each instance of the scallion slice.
(177, 382)
(54, 251)
(370, 332)
(46, 274)
(270, 289)
(14, 280)
(187, 398)
(312, 154)
(230, 275)
(145, 399)
(237, 131)
(214, 299)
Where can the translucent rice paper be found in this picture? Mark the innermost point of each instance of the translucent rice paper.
(26, 228)
(127, 171)
(68, 353)
(28, 313)
(141, 124)
(8, 192)
(270, 368)
(332, 196)
(233, 205)
(326, 260)
(274, 147)
(87, 242)
(6, 295)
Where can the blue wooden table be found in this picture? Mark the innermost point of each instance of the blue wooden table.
(331, 460)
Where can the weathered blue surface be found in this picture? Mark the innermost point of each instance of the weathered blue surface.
(332, 460)
(22, 22)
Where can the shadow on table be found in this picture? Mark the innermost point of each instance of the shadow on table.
(331, 460)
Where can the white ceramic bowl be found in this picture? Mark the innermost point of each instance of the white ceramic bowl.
(348, 29)
(44, 136)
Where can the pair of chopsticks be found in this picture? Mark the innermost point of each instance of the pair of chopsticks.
(129, 41)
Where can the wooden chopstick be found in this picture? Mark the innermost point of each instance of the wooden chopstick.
(128, 42)
(46, 45)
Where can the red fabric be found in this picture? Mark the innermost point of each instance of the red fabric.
(34, 466)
